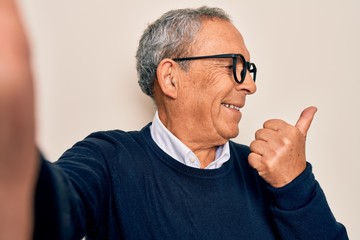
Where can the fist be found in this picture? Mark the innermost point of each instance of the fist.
(278, 151)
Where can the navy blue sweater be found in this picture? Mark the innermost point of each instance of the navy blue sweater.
(121, 185)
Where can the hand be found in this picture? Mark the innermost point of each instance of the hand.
(278, 151)
(18, 157)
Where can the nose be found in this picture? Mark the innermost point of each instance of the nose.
(248, 85)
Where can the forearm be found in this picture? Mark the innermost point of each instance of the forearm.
(301, 211)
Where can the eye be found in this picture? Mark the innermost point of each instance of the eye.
(229, 70)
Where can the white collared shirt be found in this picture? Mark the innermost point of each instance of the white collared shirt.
(170, 144)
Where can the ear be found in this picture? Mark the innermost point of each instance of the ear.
(167, 78)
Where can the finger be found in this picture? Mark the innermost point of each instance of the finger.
(255, 161)
(305, 119)
(265, 134)
(274, 124)
(259, 147)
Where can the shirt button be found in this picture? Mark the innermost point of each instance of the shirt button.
(192, 160)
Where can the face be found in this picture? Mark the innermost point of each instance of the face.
(209, 95)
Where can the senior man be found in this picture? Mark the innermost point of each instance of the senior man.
(181, 177)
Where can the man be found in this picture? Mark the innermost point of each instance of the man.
(181, 177)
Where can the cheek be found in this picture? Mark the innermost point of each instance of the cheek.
(207, 90)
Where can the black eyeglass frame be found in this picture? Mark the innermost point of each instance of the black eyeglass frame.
(249, 66)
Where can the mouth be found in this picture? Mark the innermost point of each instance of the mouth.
(231, 106)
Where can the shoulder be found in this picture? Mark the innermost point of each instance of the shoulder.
(119, 137)
(107, 143)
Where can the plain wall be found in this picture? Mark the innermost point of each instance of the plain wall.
(307, 53)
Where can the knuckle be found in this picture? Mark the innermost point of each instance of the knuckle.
(253, 160)
(272, 153)
(258, 133)
(274, 123)
(268, 123)
(286, 141)
(253, 145)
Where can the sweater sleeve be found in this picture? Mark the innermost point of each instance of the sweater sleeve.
(301, 211)
(58, 213)
(69, 194)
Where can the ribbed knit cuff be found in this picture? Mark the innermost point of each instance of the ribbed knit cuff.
(297, 193)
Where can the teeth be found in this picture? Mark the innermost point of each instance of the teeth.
(231, 106)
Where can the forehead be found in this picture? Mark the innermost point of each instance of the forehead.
(217, 37)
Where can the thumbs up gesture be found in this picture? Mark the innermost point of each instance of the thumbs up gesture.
(278, 151)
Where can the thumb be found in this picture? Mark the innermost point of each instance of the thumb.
(305, 119)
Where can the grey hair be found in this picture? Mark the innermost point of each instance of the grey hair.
(170, 37)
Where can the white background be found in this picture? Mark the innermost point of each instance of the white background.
(307, 53)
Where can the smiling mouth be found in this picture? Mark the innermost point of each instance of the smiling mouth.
(231, 106)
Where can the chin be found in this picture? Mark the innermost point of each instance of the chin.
(234, 135)
(227, 129)
(231, 133)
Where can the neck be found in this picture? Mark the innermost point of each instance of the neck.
(204, 151)
(205, 156)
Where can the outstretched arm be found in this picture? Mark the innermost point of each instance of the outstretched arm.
(18, 156)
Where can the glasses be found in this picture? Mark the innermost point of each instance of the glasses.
(237, 65)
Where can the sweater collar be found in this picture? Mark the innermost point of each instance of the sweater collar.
(170, 144)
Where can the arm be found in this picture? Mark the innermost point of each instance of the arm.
(72, 193)
(58, 213)
(61, 193)
(300, 208)
(18, 157)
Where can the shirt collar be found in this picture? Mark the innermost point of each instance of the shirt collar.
(170, 144)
